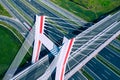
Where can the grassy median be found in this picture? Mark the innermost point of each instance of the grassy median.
(86, 74)
(3, 11)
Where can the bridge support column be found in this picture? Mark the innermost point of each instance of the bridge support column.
(39, 29)
(62, 60)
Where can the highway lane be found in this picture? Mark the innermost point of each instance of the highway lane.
(45, 11)
(91, 73)
(95, 44)
(102, 36)
(16, 13)
(111, 57)
(115, 51)
(18, 26)
(20, 55)
(92, 33)
(116, 43)
(34, 14)
(78, 76)
(26, 10)
(101, 70)
(41, 8)
(63, 12)
(69, 29)
(13, 11)
(38, 70)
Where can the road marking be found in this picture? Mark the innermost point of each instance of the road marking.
(112, 55)
(107, 56)
(93, 61)
(91, 65)
(107, 72)
(104, 76)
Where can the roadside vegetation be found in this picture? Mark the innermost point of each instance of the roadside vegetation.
(86, 74)
(3, 11)
(89, 10)
(9, 45)
(18, 35)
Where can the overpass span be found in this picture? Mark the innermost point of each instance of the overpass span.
(87, 45)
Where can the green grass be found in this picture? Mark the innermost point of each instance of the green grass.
(3, 11)
(12, 29)
(9, 45)
(87, 75)
(88, 9)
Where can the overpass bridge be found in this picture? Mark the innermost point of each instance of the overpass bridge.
(86, 45)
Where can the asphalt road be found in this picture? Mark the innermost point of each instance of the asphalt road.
(101, 28)
(78, 76)
(22, 7)
(73, 62)
(17, 15)
(116, 43)
(21, 28)
(94, 38)
(96, 31)
(91, 73)
(111, 57)
(101, 70)
(64, 12)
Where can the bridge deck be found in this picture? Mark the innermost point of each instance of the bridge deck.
(84, 49)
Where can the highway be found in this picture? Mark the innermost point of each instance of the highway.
(101, 70)
(116, 43)
(14, 23)
(80, 40)
(78, 76)
(23, 8)
(97, 41)
(32, 14)
(91, 73)
(109, 55)
(71, 32)
(95, 36)
(17, 15)
(114, 51)
(63, 12)
(20, 55)
(89, 49)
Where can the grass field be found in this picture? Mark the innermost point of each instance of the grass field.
(9, 46)
(3, 11)
(88, 9)
(18, 34)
